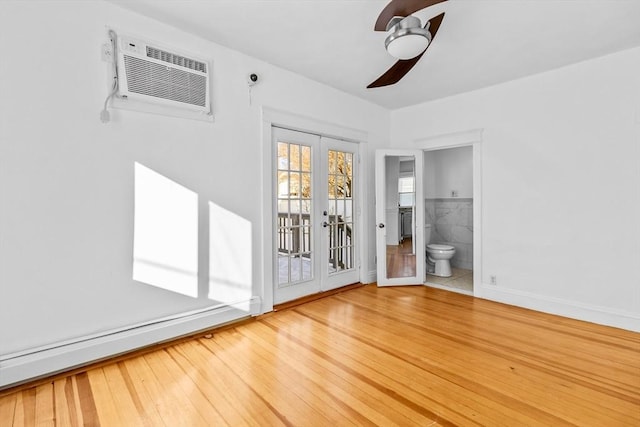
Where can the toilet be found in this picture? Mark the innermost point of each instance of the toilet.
(438, 256)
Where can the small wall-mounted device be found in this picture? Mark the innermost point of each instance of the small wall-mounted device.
(252, 79)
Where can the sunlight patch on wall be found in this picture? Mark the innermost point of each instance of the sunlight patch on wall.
(229, 257)
(165, 240)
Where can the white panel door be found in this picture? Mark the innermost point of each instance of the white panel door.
(400, 247)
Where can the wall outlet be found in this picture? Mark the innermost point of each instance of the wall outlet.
(493, 280)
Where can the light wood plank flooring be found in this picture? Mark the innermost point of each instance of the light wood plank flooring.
(401, 261)
(368, 356)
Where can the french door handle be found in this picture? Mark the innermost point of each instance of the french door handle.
(381, 225)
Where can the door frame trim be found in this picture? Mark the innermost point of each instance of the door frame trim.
(272, 117)
(473, 138)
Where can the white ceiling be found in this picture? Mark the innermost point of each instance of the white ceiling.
(480, 42)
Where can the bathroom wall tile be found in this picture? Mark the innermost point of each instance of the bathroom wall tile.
(444, 233)
(461, 234)
(430, 212)
(463, 258)
(461, 263)
(452, 224)
(444, 215)
(461, 214)
(435, 236)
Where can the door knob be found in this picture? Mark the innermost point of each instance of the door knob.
(325, 224)
(381, 225)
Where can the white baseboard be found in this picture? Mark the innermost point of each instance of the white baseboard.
(370, 277)
(27, 366)
(561, 307)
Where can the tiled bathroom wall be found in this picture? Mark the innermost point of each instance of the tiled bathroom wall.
(451, 222)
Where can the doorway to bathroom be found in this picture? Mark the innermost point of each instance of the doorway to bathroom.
(449, 180)
(449, 218)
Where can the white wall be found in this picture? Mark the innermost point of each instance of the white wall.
(449, 170)
(560, 185)
(67, 180)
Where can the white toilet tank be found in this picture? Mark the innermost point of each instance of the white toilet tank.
(427, 234)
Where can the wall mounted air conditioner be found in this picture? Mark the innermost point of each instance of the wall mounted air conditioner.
(149, 73)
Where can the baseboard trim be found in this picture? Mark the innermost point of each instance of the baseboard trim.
(370, 277)
(561, 307)
(27, 367)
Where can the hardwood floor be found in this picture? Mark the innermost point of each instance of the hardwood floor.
(401, 261)
(368, 356)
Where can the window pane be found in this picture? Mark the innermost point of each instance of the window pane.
(340, 187)
(283, 155)
(294, 185)
(283, 184)
(306, 185)
(349, 161)
(305, 239)
(340, 163)
(406, 199)
(306, 267)
(306, 159)
(332, 162)
(306, 207)
(283, 268)
(296, 269)
(348, 211)
(294, 157)
(406, 184)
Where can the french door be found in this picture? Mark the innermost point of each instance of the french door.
(315, 214)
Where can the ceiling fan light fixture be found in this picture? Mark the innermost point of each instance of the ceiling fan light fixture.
(408, 39)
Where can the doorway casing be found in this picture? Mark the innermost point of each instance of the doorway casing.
(467, 138)
(272, 117)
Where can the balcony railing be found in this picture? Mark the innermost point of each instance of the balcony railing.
(294, 238)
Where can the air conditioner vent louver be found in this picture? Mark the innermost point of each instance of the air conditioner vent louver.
(172, 58)
(162, 79)
(152, 79)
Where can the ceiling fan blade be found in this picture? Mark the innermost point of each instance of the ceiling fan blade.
(394, 74)
(401, 8)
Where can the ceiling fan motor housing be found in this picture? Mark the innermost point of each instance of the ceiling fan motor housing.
(408, 39)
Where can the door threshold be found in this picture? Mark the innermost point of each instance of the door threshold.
(449, 288)
(308, 298)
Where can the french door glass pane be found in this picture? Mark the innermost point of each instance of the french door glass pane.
(340, 214)
(294, 213)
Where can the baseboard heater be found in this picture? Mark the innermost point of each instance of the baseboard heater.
(28, 365)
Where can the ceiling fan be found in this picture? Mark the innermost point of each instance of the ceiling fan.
(408, 39)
